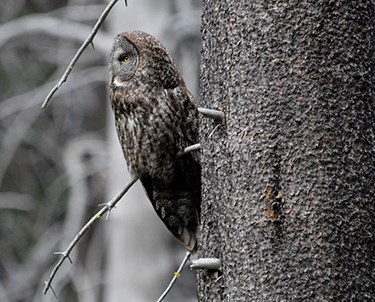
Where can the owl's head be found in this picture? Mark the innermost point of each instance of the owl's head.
(139, 57)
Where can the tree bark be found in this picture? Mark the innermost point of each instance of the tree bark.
(289, 177)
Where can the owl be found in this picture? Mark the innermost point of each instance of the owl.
(155, 119)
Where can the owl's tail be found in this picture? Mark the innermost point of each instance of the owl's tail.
(189, 238)
(180, 215)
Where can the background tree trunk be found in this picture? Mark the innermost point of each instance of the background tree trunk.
(289, 178)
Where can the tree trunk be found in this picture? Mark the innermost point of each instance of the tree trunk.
(289, 177)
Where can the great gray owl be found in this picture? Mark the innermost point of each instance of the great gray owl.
(155, 118)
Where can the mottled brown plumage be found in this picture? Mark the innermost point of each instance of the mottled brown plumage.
(156, 117)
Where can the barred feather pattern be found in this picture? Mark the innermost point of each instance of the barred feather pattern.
(155, 118)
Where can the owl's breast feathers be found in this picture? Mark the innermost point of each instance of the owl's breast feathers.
(158, 123)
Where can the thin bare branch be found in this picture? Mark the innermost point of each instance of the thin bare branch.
(53, 291)
(175, 276)
(87, 42)
(90, 223)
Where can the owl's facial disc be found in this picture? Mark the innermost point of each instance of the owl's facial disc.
(124, 60)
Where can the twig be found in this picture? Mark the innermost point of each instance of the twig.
(53, 291)
(87, 42)
(175, 277)
(108, 206)
(213, 131)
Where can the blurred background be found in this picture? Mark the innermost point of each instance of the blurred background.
(58, 164)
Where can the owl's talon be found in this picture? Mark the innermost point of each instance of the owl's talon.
(212, 113)
(189, 149)
(206, 263)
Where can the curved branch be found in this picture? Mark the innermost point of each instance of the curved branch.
(177, 275)
(66, 254)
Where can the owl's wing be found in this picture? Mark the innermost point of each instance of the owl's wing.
(178, 205)
(188, 170)
(188, 166)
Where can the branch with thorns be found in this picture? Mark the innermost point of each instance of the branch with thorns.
(106, 209)
(176, 275)
(66, 254)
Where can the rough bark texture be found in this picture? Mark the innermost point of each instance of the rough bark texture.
(289, 179)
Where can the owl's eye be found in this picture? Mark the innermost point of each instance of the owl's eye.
(124, 58)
